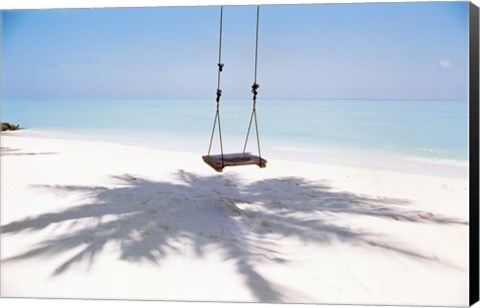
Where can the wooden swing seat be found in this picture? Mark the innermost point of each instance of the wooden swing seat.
(233, 159)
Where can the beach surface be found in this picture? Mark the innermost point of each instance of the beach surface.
(91, 219)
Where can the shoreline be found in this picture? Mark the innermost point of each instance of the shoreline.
(359, 158)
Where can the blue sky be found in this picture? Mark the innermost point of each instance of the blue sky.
(356, 51)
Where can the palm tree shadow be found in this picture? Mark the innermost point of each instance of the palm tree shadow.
(149, 220)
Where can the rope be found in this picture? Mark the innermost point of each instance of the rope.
(218, 93)
(220, 64)
(255, 87)
(256, 47)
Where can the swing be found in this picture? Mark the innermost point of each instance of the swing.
(220, 161)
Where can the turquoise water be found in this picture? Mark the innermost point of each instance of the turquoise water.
(430, 129)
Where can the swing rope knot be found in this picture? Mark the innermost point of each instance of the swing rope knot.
(220, 66)
(219, 93)
(255, 86)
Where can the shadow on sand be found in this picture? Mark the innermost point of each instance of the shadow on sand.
(4, 151)
(147, 220)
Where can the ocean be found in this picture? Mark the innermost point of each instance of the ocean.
(435, 130)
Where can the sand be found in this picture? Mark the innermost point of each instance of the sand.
(90, 219)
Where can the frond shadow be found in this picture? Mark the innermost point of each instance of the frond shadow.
(147, 220)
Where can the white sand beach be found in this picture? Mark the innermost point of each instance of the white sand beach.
(90, 219)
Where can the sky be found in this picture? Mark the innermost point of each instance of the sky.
(332, 51)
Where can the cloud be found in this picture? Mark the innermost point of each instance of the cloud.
(445, 63)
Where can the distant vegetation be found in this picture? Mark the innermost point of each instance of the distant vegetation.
(7, 126)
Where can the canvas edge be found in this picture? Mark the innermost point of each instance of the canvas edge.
(474, 153)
